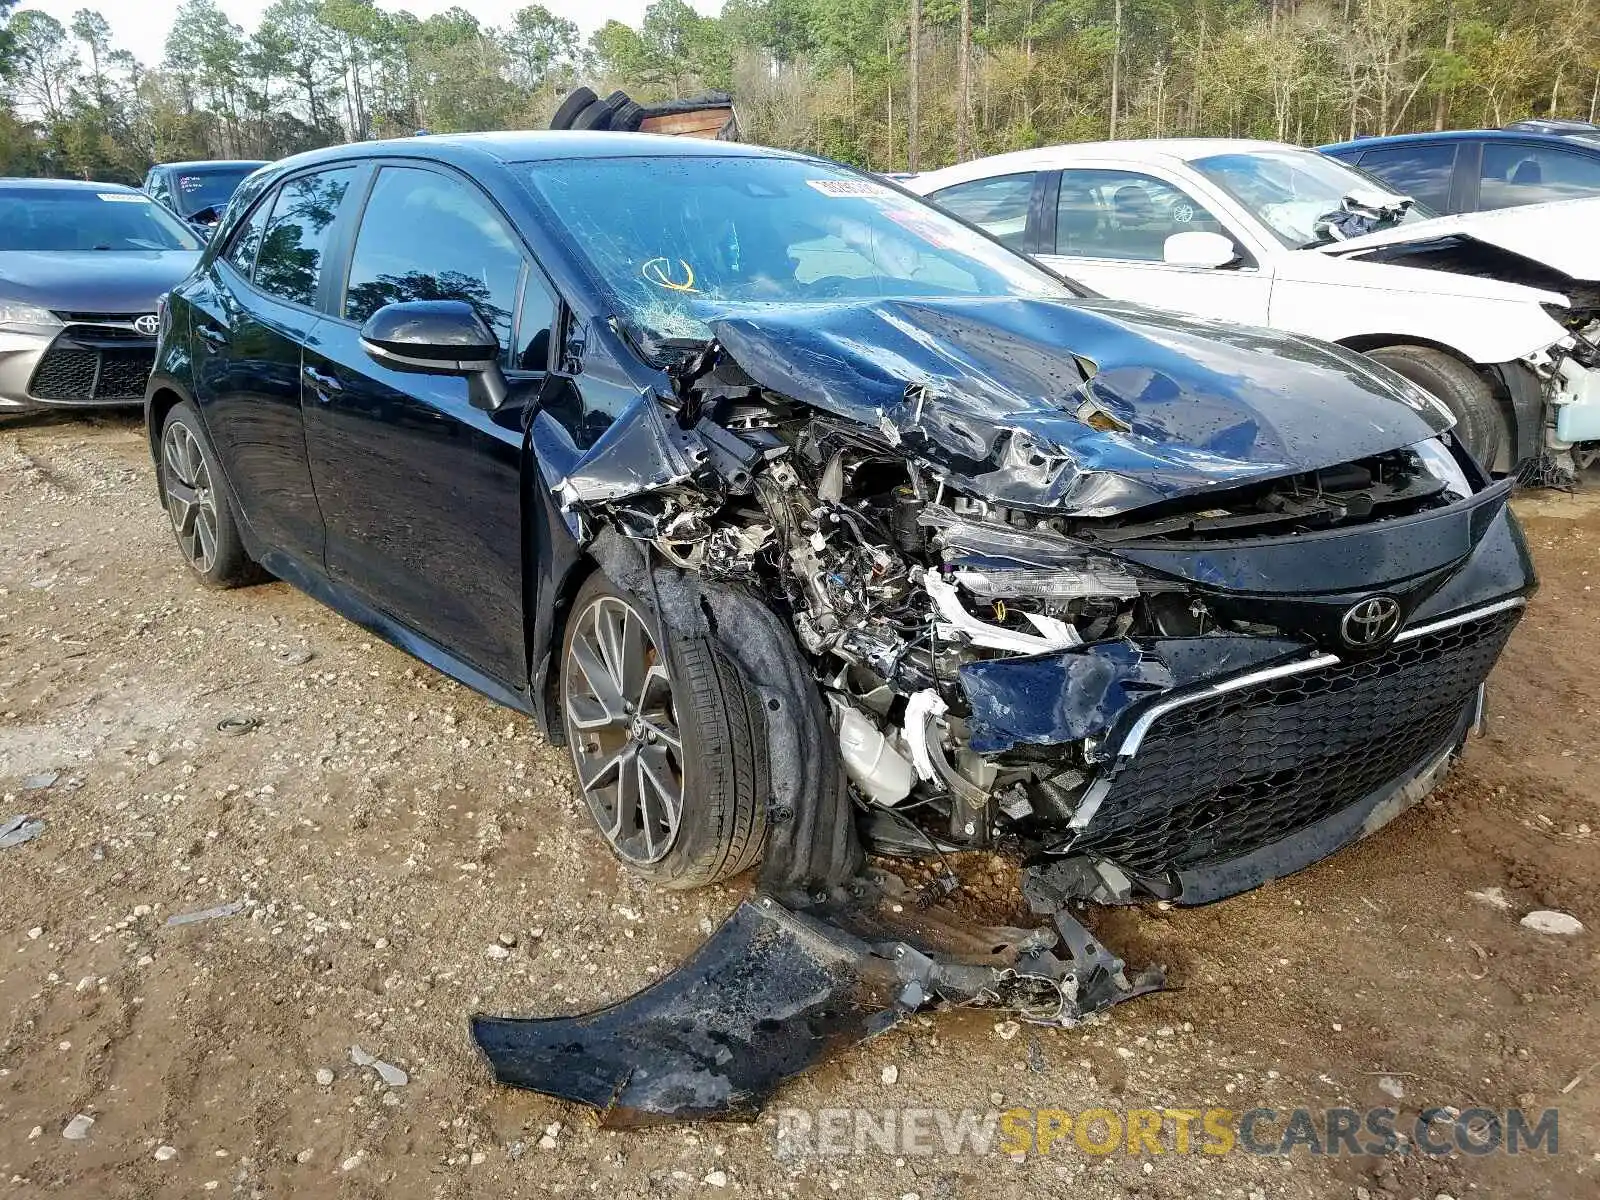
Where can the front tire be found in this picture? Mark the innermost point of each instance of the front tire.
(199, 504)
(1480, 423)
(667, 741)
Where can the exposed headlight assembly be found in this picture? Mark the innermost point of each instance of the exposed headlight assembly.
(1064, 583)
(16, 317)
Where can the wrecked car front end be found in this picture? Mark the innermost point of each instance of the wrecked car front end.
(1546, 249)
(1120, 630)
(1165, 608)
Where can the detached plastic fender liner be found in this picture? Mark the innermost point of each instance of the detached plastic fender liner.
(775, 991)
(770, 994)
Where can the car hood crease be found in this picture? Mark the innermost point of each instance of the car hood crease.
(1089, 408)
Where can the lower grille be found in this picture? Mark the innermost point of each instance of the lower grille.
(72, 373)
(1230, 774)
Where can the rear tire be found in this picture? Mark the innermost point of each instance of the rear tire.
(199, 503)
(1480, 423)
(649, 713)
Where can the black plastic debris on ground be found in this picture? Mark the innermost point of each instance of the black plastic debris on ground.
(776, 991)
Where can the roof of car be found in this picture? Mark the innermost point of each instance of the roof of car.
(1572, 138)
(65, 185)
(519, 146)
(202, 163)
(1170, 150)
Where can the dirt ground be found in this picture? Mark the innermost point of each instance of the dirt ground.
(384, 828)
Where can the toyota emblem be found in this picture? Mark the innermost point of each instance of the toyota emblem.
(147, 325)
(1371, 622)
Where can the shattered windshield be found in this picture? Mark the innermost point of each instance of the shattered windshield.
(678, 240)
(1302, 196)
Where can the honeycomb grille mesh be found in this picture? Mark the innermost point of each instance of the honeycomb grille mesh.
(76, 374)
(1225, 776)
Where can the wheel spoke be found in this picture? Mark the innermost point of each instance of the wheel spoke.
(173, 457)
(191, 456)
(660, 793)
(631, 656)
(628, 814)
(181, 504)
(602, 687)
(611, 622)
(206, 533)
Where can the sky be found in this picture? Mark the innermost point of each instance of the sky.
(141, 25)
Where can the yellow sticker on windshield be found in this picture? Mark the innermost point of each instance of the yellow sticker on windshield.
(659, 272)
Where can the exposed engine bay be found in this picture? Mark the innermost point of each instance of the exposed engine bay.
(904, 593)
(1164, 637)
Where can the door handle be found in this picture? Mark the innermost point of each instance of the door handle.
(324, 384)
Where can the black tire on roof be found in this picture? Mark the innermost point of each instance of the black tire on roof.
(627, 117)
(596, 117)
(578, 99)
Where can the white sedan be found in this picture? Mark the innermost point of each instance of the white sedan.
(1495, 314)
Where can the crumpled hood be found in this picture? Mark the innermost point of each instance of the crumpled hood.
(1089, 407)
(1561, 235)
(98, 281)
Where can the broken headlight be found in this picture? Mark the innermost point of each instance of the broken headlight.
(1102, 578)
(1437, 459)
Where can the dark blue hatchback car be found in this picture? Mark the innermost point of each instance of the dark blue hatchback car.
(813, 520)
(1468, 170)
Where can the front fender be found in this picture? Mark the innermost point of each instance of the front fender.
(1480, 329)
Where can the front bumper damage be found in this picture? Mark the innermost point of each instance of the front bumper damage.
(776, 990)
(1110, 635)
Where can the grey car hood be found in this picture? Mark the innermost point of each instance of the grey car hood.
(98, 281)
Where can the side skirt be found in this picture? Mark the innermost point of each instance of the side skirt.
(350, 606)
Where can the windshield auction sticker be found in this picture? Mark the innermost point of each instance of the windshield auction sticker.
(863, 189)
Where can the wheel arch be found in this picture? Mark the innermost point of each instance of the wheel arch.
(162, 399)
(1516, 413)
(547, 630)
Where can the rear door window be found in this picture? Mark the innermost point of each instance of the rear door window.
(295, 241)
(428, 236)
(1422, 172)
(1527, 173)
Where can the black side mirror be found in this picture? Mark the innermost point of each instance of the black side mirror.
(438, 337)
(206, 218)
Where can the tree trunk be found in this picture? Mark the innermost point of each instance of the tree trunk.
(964, 100)
(913, 161)
(1116, 64)
(1440, 102)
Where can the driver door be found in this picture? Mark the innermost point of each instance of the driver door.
(1108, 227)
(420, 490)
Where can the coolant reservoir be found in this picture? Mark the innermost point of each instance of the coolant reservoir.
(874, 766)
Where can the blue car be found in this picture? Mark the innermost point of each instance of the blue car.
(1469, 170)
(813, 520)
